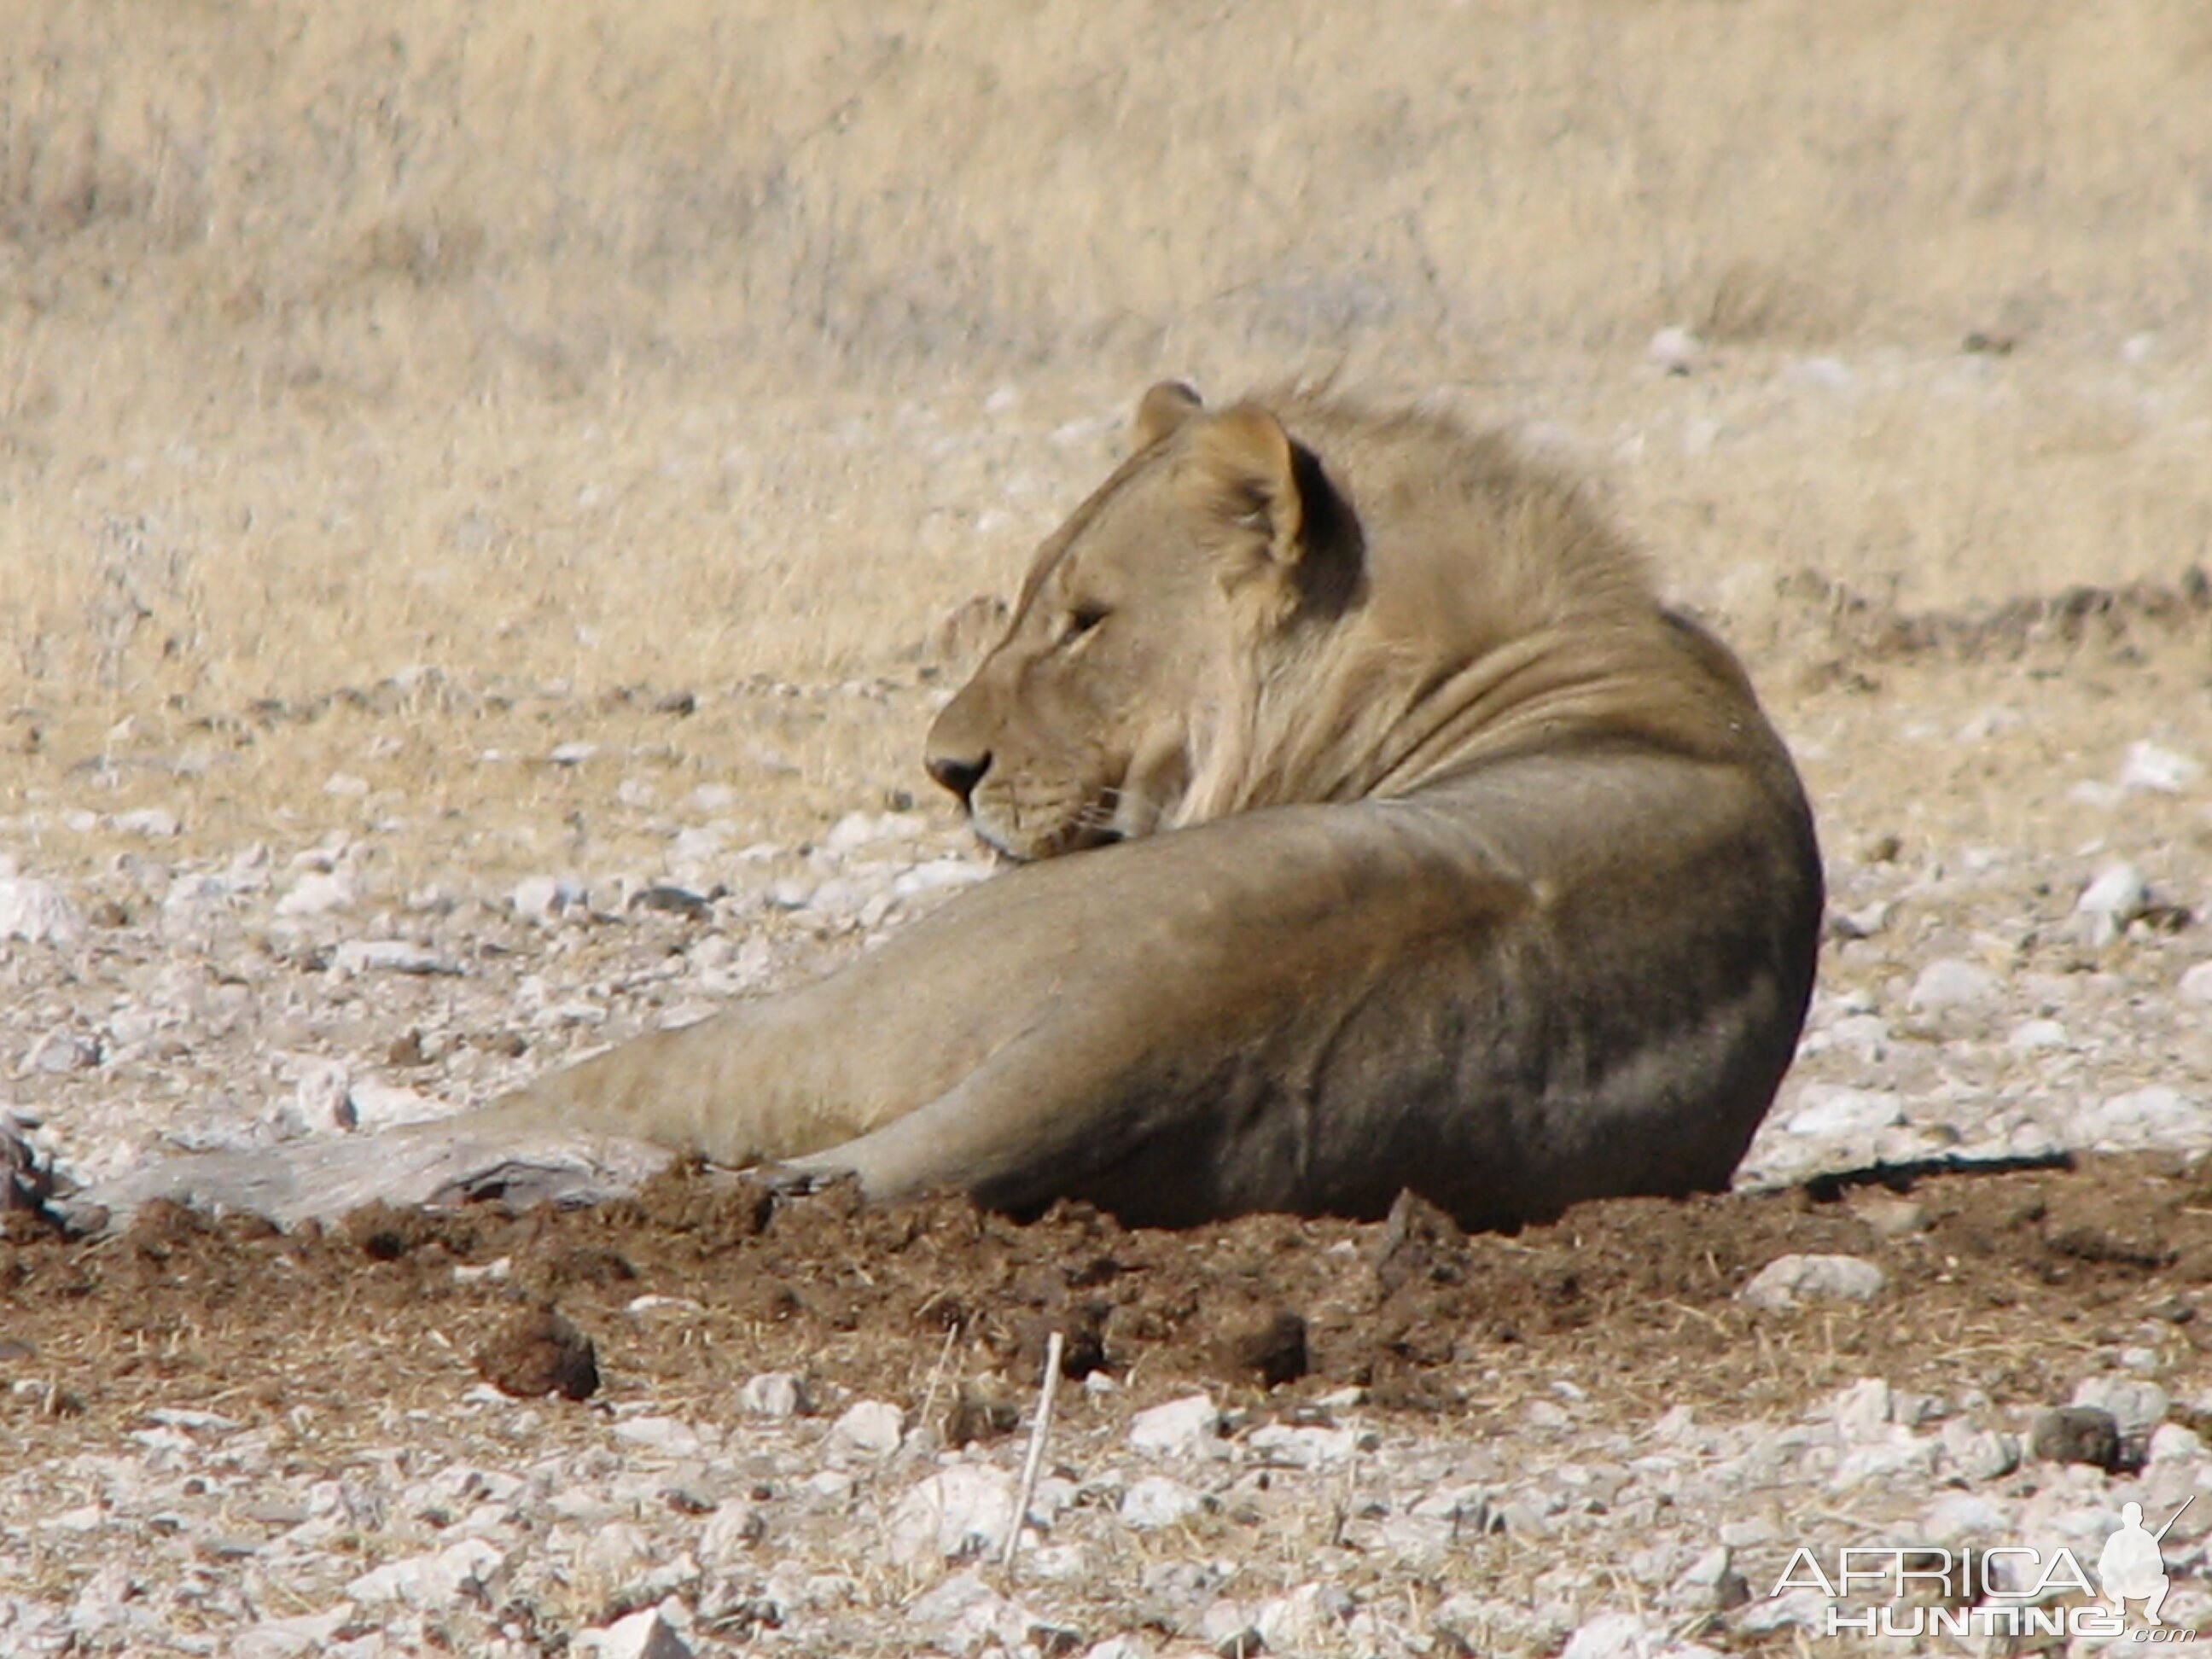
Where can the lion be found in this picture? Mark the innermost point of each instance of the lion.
(1371, 826)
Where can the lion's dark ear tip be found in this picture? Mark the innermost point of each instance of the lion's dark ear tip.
(1162, 409)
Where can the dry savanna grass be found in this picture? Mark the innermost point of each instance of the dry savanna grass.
(672, 343)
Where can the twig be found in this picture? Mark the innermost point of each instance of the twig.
(936, 1372)
(1054, 1346)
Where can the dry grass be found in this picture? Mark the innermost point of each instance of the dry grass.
(616, 343)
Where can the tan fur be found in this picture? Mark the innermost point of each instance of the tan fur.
(1419, 846)
(1486, 876)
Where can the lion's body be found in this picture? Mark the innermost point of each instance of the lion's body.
(1485, 876)
(1415, 846)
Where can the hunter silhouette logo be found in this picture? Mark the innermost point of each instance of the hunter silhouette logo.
(2130, 1565)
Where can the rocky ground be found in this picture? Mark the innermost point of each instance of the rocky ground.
(656, 381)
(801, 1427)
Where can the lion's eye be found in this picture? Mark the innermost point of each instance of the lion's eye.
(1082, 619)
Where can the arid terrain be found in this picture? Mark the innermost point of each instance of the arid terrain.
(492, 502)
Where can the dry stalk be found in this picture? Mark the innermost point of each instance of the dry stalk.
(1035, 1460)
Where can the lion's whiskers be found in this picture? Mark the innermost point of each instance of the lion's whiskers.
(1122, 812)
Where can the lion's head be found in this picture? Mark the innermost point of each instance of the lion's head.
(1292, 600)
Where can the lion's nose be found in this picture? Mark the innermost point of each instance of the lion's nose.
(959, 772)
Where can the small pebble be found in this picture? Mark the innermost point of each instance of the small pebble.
(1789, 1281)
(1948, 983)
(772, 1394)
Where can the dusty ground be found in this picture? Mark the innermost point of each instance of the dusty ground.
(2008, 1282)
(447, 454)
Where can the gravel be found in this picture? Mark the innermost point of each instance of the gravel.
(1979, 1004)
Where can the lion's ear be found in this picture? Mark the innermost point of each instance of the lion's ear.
(1162, 411)
(1245, 473)
(1268, 507)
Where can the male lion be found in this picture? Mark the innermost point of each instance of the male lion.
(1418, 846)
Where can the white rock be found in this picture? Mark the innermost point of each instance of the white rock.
(129, 1025)
(790, 893)
(615, 1552)
(1710, 1584)
(357, 956)
(962, 1509)
(1831, 1113)
(1787, 1280)
(939, 876)
(1958, 1517)
(2108, 903)
(321, 1094)
(38, 912)
(377, 1105)
(2030, 1034)
(1829, 373)
(1118, 1647)
(962, 1613)
(572, 1013)
(2161, 771)
(1155, 1502)
(572, 754)
(545, 898)
(868, 1429)
(645, 1634)
(2170, 1443)
(151, 823)
(344, 783)
(2137, 1407)
(1302, 1447)
(772, 1394)
(1675, 350)
(99, 1605)
(1866, 1406)
(2197, 983)
(857, 829)
(1227, 1626)
(838, 898)
(1304, 1620)
(1181, 1428)
(669, 1436)
(2156, 1115)
(1949, 982)
(287, 1638)
(1864, 922)
(2119, 891)
(431, 1582)
(194, 903)
(733, 1529)
(58, 1052)
(1053, 1494)
(1979, 1454)
(1614, 1636)
(1901, 1455)
(317, 893)
(1806, 1607)
(1865, 1035)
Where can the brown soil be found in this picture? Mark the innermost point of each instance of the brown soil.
(2003, 1283)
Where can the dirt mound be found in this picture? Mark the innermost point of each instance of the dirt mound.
(1993, 1282)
